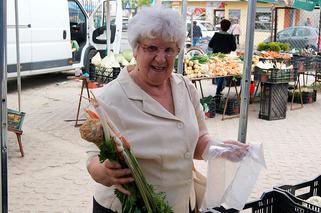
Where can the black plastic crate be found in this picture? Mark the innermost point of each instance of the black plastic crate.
(303, 190)
(307, 97)
(273, 101)
(274, 202)
(105, 75)
(274, 75)
(232, 108)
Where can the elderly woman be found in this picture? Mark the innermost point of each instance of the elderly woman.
(158, 112)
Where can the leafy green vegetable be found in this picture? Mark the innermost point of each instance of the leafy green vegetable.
(202, 59)
(273, 46)
(219, 55)
(134, 203)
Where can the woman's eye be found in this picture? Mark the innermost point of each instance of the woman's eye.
(169, 50)
(152, 48)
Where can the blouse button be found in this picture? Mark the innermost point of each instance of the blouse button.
(187, 155)
(180, 125)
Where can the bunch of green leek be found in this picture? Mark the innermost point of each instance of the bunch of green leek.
(142, 198)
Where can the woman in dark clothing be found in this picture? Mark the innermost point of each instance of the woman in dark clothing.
(222, 42)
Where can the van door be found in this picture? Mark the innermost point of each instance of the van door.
(25, 37)
(97, 26)
(78, 19)
(50, 40)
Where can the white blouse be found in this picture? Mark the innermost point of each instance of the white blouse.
(163, 143)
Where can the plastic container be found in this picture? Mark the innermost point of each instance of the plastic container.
(274, 75)
(303, 190)
(307, 97)
(273, 202)
(273, 101)
(232, 108)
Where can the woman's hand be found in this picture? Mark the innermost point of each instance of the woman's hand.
(110, 174)
(235, 151)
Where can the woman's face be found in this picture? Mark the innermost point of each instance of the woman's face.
(155, 60)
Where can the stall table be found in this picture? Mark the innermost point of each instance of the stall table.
(199, 80)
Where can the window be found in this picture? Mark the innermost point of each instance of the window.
(75, 13)
(234, 16)
(100, 18)
(263, 19)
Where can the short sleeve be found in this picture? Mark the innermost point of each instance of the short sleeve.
(197, 106)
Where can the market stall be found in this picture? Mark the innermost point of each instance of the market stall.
(214, 66)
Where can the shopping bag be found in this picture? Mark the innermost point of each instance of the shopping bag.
(229, 184)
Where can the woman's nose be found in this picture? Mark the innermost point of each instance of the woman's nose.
(160, 56)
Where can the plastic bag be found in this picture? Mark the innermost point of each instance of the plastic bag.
(229, 183)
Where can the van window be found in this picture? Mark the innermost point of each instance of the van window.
(78, 29)
(99, 18)
(75, 13)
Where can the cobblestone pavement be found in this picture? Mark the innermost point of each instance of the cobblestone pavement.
(52, 176)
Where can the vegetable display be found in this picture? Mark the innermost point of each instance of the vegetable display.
(115, 147)
(273, 46)
(212, 65)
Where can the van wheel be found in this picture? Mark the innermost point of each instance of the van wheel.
(87, 64)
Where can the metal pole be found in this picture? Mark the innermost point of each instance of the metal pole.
(319, 30)
(192, 30)
(18, 54)
(246, 79)
(3, 114)
(181, 54)
(107, 15)
(275, 23)
(273, 17)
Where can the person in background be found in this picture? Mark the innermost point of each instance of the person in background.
(197, 34)
(236, 31)
(308, 23)
(74, 46)
(160, 114)
(222, 42)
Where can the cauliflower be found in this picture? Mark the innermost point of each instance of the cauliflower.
(314, 200)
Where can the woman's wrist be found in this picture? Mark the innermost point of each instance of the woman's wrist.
(210, 143)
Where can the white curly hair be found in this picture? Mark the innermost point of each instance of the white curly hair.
(153, 22)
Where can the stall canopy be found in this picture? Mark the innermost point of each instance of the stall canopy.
(308, 5)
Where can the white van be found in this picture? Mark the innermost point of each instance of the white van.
(46, 29)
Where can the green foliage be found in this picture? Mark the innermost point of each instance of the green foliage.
(262, 46)
(273, 46)
(133, 203)
(219, 55)
(202, 59)
(107, 151)
(143, 3)
(284, 46)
